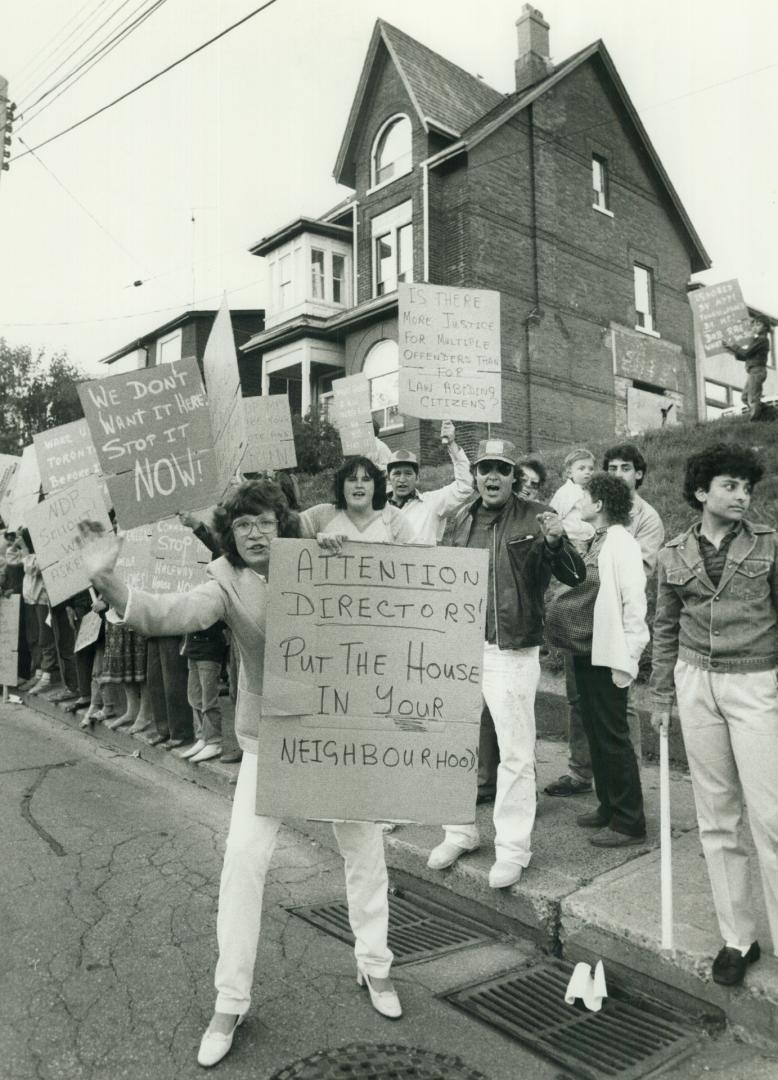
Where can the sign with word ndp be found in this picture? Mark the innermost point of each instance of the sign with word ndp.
(269, 435)
(9, 640)
(53, 526)
(372, 683)
(65, 454)
(721, 315)
(450, 360)
(352, 415)
(152, 433)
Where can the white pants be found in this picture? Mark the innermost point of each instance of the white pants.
(510, 679)
(730, 728)
(250, 845)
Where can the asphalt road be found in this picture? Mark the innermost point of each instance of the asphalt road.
(109, 873)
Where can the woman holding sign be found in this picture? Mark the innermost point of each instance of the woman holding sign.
(254, 514)
(360, 510)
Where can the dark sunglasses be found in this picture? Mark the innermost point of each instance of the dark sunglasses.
(483, 468)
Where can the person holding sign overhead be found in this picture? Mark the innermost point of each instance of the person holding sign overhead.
(246, 522)
(527, 545)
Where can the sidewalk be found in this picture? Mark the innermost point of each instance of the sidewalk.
(584, 902)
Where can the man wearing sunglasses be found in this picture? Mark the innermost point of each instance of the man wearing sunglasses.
(527, 546)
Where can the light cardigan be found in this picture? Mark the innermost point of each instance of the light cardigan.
(236, 595)
(620, 632)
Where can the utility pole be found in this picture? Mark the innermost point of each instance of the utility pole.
(7, 110)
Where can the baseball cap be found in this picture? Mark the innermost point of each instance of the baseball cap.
(402, 457)
(496, 450)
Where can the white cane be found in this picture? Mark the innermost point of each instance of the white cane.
(665, 838)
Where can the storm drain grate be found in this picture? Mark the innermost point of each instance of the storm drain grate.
(418, 929)
(630, 1037)
(379, 1061)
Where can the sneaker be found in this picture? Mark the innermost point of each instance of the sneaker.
(729, 967)
(504, 874)
(190, 751)
(210, 750)
(609, 838)
(446, 854)
(43, 683)
(568, 785)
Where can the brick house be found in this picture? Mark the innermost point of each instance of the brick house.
(552, 195)
(187, 335)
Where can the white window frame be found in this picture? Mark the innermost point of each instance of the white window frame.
(375, 183)
(389, 224)
(168, 339)
(602, 194)
(343, 279)
(321, 278)
(648, 326)
(391, 422)
(285, 281)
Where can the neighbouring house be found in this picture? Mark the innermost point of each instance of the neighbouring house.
(552, 194)
(187, 335)
(721, 378)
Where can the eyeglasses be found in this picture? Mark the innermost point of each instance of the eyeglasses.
(534, 484)
(243, 526)
(485, 467)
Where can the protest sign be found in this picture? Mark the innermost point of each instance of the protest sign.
(269, 435)
(65, 453)
(9, 640)
(721, 315)
(136, 557)
(222, 380)
(24, 490)
(88, 631)
(179, 561)
(53, 526)
(450, 359)
(352, 416)
(152, 433)
(9, 465)
(371, 700)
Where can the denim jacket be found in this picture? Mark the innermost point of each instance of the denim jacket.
(732, 628)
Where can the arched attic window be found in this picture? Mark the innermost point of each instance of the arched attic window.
(392, 150)
(381, 369)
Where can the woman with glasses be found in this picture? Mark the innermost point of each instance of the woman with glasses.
(236, 592)
(531, 476)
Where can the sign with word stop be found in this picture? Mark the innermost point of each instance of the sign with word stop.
(372, 686)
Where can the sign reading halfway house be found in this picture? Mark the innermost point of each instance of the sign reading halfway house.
(152, 433)
(222, 381)
(721, 315)
(65, 453)
(9, 640)
(450, 360)
(53, 526)
(371, 698)
(179, 560)
(269, 435)
(352, 415)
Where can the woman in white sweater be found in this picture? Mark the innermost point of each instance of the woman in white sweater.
(602, 622)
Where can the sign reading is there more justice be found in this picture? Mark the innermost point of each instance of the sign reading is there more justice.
(371, 701)
(450, 360)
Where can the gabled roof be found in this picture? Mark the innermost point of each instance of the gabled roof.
(295, 228)
(445, 97)
(174, 324)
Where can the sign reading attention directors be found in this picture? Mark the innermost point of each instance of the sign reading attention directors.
(449, 345)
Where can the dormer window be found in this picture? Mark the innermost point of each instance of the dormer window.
(392, 151)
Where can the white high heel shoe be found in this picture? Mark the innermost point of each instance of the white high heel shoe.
(386, 1002)
(214, 1046)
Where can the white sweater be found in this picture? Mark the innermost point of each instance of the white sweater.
(620, 632)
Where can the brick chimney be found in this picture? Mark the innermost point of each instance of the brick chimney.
(532, 63)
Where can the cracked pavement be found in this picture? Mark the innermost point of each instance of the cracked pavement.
(108, 892)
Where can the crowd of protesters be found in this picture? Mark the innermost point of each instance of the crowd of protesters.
(570, 573)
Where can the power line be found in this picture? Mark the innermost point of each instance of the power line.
(146, 82)
(105, 48)
(78, 202)
(52, 51)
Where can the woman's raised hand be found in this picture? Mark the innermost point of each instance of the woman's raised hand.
(99, 549)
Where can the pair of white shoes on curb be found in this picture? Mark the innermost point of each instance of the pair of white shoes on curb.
(200, 751)
(385, 1002)
(501, 876)
(214, 1045)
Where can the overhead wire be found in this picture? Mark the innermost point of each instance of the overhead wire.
(146, 82)
(53, 51)
(100, 53)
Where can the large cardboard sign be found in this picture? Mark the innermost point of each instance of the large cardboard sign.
(53, 526)
(88, 631)
(352, 416)
(9, 640)
(269, 434)
(372, 683)
(24, 489)
(136, 557)
(721, 315)
(222, 380)
(9, 465)
(180, 560)
(152, 433)
(65, 454)
(450, 359)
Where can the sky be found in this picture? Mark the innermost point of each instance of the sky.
(243, 138)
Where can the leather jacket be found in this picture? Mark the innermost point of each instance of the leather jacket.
(522, 567)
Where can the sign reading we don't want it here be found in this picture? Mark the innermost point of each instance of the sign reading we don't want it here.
(372, 683)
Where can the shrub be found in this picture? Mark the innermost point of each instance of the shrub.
(317, 443)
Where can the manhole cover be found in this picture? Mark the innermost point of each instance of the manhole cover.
(418, 928)
(631, 1035)
(382, 1061)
